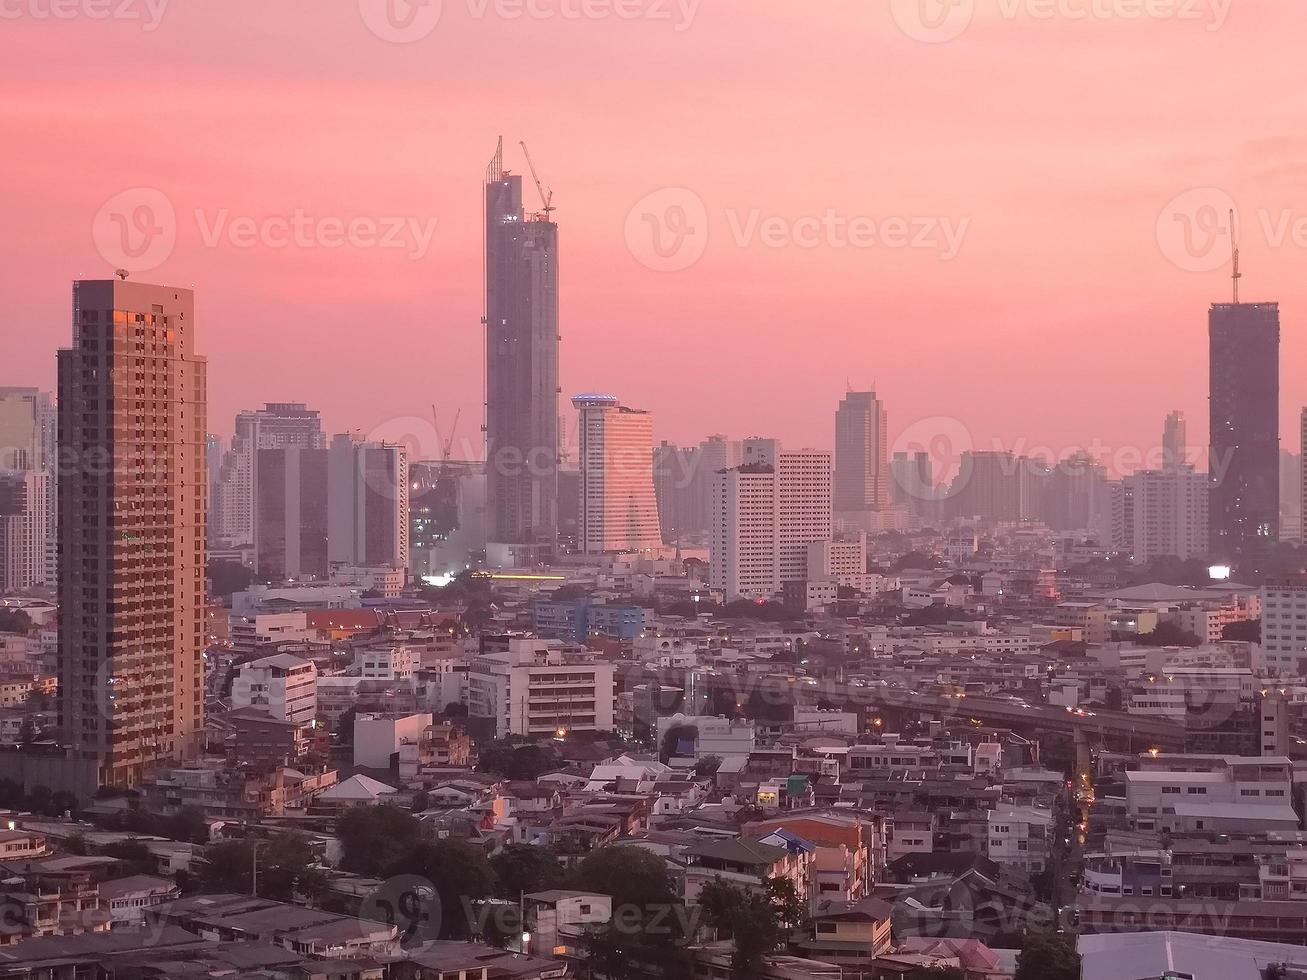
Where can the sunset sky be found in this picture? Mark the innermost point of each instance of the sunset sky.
(1072, 150)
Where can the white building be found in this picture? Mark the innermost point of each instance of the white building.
(539, 687)
(619, 509)
(843, 562)
(387, 663)
(1211, 793)
(1166, 513)
(765, 514)
(283, 685)
(27, 489)
(1019, 837)
(377, 737)
(1284, 624)
(249, 632)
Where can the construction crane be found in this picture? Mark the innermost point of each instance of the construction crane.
(546, 196)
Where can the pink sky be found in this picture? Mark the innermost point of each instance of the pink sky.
(1059, 142)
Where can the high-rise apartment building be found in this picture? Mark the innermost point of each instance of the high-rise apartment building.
(290, 507)
(619, 512)
(275, 426)
(1244, 461)
(521, 321)
(28, 460)
(683, 479)
(131, 529)
(1284, 624)
(367, 504)
(1168, 514)
(862, 461)
(766, 513)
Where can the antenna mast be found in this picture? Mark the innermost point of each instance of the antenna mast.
(1236, 274)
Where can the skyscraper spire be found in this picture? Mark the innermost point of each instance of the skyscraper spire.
(1236, 275)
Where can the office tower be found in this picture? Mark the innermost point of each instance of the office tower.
(1175, 444)
(766, 513)
(1291, 486)
(131, 528)
(1077, 494)
(28, 459)
(290, 504)
(683, 482)
(1244, 463)
(367, 503)
(276, 425)
(619, 511)
(1168, 514)
(862, 470)
(912, 478)
(521, 323)
(997, 486)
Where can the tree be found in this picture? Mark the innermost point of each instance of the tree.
(284, 868)
(15, 621)
(1048, 956)
(673, 737)
(520, 868)
(756, 923)
(461, 875)
(374, 838)
(227, 577)
(633, 877)
(1167, 634)
(522, 762)
(1248, 630)
(707, 766)
(345, 727)
(134, 854)
(455, 709)
(935, 973)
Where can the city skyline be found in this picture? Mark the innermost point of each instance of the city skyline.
(1021, 257)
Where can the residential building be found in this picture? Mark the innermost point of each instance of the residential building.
(28, 468)
(619, 510)
(367, 504)
(283, 685)
(131, 536)
(539, 687)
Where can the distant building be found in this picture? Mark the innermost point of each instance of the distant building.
(767, 512)
(290, 533)
(862, 460)
(28, 466)
(1244, 462)
(367, 504)
(619, 510)
(537, 687)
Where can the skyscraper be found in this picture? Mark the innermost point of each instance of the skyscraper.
(862, 469)
(619, 511)
(27, 481)
(1244, 463)
(367, 504)
(1175, 451)
(521, 322)
(131, 532)
(766, 513)
(274, 426)
(290, 508)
